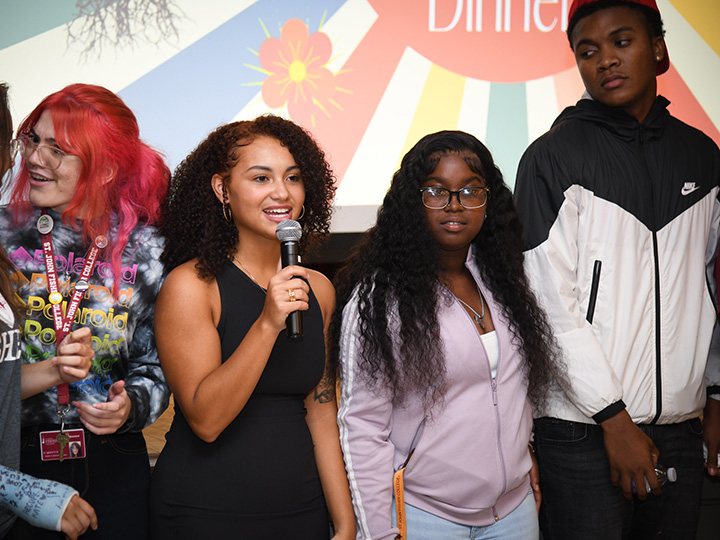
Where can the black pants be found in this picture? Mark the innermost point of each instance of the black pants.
(114, 478)
(580, 502)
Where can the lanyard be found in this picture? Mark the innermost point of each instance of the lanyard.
(64, 323)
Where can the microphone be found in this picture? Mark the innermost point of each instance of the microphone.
(289, 232)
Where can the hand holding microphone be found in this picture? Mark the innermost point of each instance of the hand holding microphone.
(289, 233)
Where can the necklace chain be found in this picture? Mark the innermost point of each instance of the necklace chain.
(477, 316)
(249, 273)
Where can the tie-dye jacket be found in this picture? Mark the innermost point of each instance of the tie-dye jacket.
(122, 328)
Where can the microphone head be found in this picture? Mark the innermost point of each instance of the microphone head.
(288, 230)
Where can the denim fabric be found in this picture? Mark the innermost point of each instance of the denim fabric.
(579, 501)
(520, 524)
(114, 478)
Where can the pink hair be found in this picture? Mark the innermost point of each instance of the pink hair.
(120, 174)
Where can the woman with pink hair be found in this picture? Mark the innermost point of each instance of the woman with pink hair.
(80, 231)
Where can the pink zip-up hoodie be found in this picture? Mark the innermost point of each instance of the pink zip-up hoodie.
(471, 459)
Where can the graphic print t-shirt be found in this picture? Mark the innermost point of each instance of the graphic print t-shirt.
(122, 327)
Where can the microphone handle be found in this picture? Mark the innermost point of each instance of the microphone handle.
(289, 254)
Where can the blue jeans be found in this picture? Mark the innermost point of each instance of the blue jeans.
(579, 500)
(520, 524)
(114, 478)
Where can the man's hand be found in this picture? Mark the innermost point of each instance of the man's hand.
(632, 456)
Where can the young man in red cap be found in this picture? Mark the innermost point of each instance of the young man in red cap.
(620, 208)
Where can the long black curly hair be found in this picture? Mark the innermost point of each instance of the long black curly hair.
(192, 217)
(395, 267)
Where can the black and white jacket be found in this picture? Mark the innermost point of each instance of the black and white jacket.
(636, 206)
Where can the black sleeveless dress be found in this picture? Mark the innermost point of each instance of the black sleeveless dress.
(259, 478)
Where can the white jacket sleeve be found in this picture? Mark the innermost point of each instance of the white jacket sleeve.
(551, 210)
(365, 422)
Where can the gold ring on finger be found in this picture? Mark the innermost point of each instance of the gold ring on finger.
(291, 294)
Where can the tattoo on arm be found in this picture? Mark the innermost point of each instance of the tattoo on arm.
(325, 390)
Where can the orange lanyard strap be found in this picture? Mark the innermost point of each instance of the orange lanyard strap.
(400, 504)
(399, 488)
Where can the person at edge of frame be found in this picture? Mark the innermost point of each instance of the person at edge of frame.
(44, 503)
(620, 207)
(86, 197)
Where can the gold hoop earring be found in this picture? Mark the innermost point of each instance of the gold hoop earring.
(302, 213)
(226, 210)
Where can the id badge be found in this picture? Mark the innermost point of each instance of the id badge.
(50, 447)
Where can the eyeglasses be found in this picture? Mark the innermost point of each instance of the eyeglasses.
(14, 148)
(27, 143)
(470, 198)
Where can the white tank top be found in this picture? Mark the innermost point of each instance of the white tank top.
(492, 349)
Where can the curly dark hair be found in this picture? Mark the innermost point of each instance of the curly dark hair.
(192, 217)
(399, 258)
(653, 21)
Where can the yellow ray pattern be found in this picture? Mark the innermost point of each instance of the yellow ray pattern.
(439, 105)
(703, 15)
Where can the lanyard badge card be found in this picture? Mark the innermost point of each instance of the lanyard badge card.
(64, 444)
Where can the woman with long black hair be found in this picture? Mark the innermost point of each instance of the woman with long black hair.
(441, 348)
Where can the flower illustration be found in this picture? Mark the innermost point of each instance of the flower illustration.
(298, 76)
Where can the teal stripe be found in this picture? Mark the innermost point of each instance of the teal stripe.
(507, 128)
(23, 19)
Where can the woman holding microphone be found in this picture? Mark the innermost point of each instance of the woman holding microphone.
(253, 450)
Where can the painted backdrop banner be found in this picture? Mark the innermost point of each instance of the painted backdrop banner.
(368, 78)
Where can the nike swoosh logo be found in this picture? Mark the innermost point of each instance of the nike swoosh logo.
(688, 191)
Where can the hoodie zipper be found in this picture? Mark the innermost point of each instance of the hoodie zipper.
(493, 386)
(656, 260)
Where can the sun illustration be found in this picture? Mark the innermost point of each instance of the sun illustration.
(297, 73)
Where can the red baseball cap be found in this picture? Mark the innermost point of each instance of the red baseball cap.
(664, 64)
